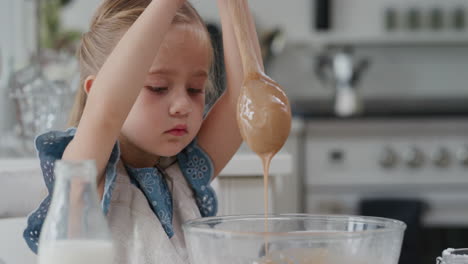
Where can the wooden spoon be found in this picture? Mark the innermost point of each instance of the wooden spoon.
(263, 110)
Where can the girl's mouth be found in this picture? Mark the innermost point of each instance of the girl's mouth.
(177, 132)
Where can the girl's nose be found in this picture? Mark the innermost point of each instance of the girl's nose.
(180, 106)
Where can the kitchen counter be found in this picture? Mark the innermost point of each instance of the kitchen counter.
(242, 164)
(23, 176)
(13, 249)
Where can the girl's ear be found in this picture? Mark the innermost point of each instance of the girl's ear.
(88, 83)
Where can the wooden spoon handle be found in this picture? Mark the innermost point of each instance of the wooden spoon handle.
(240, 22)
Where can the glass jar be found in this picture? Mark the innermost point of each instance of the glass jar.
(454, 256)
(41, 104)
(75, 229)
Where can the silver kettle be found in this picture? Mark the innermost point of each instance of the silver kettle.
(338, 67)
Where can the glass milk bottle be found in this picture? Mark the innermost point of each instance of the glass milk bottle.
(454, 256)
(75, 229)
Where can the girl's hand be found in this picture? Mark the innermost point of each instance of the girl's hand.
(220, 127)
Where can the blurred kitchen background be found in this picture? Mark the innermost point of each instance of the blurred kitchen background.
(378, 90)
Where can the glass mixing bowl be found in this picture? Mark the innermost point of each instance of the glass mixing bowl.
(294, 239)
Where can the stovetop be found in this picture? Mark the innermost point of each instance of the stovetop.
(386, 107)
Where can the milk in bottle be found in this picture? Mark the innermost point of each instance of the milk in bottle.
(75, 229)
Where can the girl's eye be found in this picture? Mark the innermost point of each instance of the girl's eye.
(195, 91)
(157, 89)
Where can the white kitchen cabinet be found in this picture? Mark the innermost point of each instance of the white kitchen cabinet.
(21, 187)
(240, 185)
(21, 190)
(13, 249)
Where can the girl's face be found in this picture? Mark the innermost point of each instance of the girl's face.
(168, 113)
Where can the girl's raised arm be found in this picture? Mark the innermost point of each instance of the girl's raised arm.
(219, 136)
(118, 84)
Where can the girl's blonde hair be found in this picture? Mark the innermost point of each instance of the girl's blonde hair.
(110, 21)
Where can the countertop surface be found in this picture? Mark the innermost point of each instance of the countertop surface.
(20, 176)
(243, 163)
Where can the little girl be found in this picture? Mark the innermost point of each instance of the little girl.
(145, 71)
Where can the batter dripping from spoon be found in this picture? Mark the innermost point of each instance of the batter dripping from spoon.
(263, 110)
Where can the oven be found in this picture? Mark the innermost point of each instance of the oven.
(414, 170)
